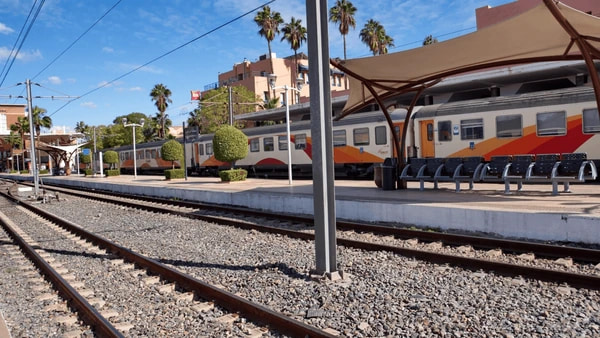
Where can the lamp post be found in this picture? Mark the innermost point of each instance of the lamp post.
(141, 124)
(286, 88)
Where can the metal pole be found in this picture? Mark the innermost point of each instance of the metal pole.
(93, 156)
(321, 133)
(134, 154)
(32, 140)
(289, 139)
(184, 166)
(230, 108)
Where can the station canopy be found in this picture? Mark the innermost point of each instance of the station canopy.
(551, 31)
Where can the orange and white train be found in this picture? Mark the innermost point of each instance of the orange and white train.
(557, 121)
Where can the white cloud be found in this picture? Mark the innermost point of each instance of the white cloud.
(104, 84)
(108, 50)
(55, 80)
(22, 56)
(89, 104)
(135, 89)
(4, 29)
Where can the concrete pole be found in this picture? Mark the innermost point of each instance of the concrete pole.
(34, 168)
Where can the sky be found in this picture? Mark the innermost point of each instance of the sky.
(107, 72)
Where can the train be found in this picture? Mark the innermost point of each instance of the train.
(553, 121)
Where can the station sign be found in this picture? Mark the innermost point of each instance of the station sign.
(191, 133)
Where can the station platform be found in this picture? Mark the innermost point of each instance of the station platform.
(532, 213)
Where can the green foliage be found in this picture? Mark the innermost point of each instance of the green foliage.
(24, 171)
(233, 175)
(174, 173)
(230, 144)
(12, 171)
(113, 172)
(111, 157)
(429, 40)
(213, 109)
(172, 151)
(88, 172)
(44, 172)
(85, 158)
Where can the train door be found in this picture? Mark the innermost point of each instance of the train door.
(426, 138)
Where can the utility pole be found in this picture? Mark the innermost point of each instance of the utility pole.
(36, 185)
(230, 107)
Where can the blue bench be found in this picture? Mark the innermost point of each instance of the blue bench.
(572, 167)
(458, 170)
(493, 171)
(516, 171)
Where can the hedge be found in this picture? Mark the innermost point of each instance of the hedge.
(232, 175)
(113, 172)
(174, 173)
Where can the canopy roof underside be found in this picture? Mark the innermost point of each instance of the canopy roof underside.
(550, 31)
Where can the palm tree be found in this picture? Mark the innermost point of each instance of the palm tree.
(14, 140)
(429, 39)
(195, 119)
(269, 27)
(373, 35)
(343, 14)
(81, 127)
(294, 33)
(40, 120)
(384, 42)
(21, 127)
(161, 96)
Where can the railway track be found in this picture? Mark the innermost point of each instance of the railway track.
(58, 243)
(579, 267)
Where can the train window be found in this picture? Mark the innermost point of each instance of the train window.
(268, 144)
(209, 150)
(380, 135)
(339, 138)
(509, 126)
(139, 155)
(430, 132)
(591, 122)
(200, 149)
(361, 136)
(282, 143)
(551, 123)
(471, 129)
(444, 131)
(254, 145)
(300, 141)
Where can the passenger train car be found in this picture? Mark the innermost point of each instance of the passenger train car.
(557, 121)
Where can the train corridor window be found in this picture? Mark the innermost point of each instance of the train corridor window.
(361, 136)
(509, 126)
(268, 144)
(209, 150)
(429, 132)
(282, 143)
(254, 145)
(339, 138)
(444, 131)
(551, 123)
(139, 155)
(300, 141)
(591, 122)
(380, 135)
(471, 129)
(200, 149)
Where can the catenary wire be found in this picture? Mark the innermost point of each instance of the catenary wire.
(23, 40)
(163, 55)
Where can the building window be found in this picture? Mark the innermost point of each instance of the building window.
(361, 136)
(300, 141)
(339, 138)
(471, 129)
(209, 149)
(282, 143)
(509, 126)
(444, 131)
(380, 135)
(551, 123)
(591, 122)
(3, 125)
(254, 145)
(268, 144)
(200, 149)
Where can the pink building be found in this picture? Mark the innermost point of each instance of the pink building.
(487, 16)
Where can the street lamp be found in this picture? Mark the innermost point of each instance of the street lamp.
(299, 84)
(141, 124)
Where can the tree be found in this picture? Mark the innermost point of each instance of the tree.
(429, 40)
(111, 157)
(214, 110)
(172, 151)
(373, 35)
(230, 144)
(269, 27)
(40, 120)
(343, 14)
(21, 127)
(161, 96)
(294, 33)
(81, 127)
(161, 122)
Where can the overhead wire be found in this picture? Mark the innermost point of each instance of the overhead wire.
(18, 37)
(165, 54)
(23, 40)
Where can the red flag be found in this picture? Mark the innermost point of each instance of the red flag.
(195, 94)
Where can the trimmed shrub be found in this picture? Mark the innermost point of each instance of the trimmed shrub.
(172, 151)
(233, 175)
(43, 172)
(230, 144)
(113, 172)
(174, 173)
(12, 171)
(111, 157)
(24, 171)
(88, 172)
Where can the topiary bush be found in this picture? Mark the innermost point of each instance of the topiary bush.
(24, 171)
(113, 172)
(232, 175)
(110, 157)
(174, 173)
(44, 172)
(172, 151)
(88, 172)
(230, 144)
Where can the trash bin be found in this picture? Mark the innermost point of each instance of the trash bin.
(388, 174)
(377, 175)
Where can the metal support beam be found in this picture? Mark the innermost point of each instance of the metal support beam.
(34, 168)
(321, 133)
